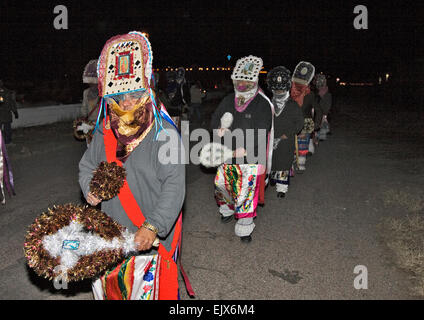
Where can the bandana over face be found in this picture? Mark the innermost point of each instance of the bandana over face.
(279, 101)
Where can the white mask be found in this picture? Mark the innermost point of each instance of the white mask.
(246, 95)
(280, 102)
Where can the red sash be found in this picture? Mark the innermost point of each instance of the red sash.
(168, 273)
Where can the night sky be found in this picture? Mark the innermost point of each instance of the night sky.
(186, 33)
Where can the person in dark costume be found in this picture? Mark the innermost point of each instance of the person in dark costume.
(288, 122)
(302, 94)
(324, 98)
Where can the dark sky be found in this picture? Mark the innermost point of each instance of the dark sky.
(205, 32)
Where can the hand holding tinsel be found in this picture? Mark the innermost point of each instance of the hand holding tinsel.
(83, 129)
(75, 242)
(107, 180)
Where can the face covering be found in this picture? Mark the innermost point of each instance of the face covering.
(244, 93)
(280, 102)
(127, 125)
(130, 126)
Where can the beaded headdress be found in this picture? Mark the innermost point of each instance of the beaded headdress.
(247, 69)
(125, 66)
(303, 73)
(279, 78)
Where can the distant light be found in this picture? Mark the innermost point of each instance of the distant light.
(207, 69)
(387, 77)
(213, 68)
(380, 80)
(337, 79)
(201, 69)
(263, 71)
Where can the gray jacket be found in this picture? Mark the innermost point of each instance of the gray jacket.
(158, 188)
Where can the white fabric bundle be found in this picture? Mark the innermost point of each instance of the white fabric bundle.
(214, 154)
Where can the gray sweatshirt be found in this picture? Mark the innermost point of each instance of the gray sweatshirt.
(158, 188)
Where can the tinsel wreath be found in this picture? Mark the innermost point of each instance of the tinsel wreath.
(76, 242)
(107, 180)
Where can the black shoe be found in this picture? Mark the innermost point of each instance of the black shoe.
(226, 219)
(281, 194)
(272, 182)
(246, 239)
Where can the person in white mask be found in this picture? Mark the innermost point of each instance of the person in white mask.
(288, 122)
(238, 181)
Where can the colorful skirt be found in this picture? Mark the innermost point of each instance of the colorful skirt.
(136, 278)
(303, 144)
(237, 188)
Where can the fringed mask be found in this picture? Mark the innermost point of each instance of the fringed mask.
(130, 112)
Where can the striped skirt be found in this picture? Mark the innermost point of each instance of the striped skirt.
(303, 144)
(136, 278)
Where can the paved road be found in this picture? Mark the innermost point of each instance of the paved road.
(305, 246)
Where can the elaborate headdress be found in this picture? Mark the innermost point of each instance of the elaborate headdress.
(90, 72)
(247, 69)
(303, 73)
(125, 66)
(279, 78)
